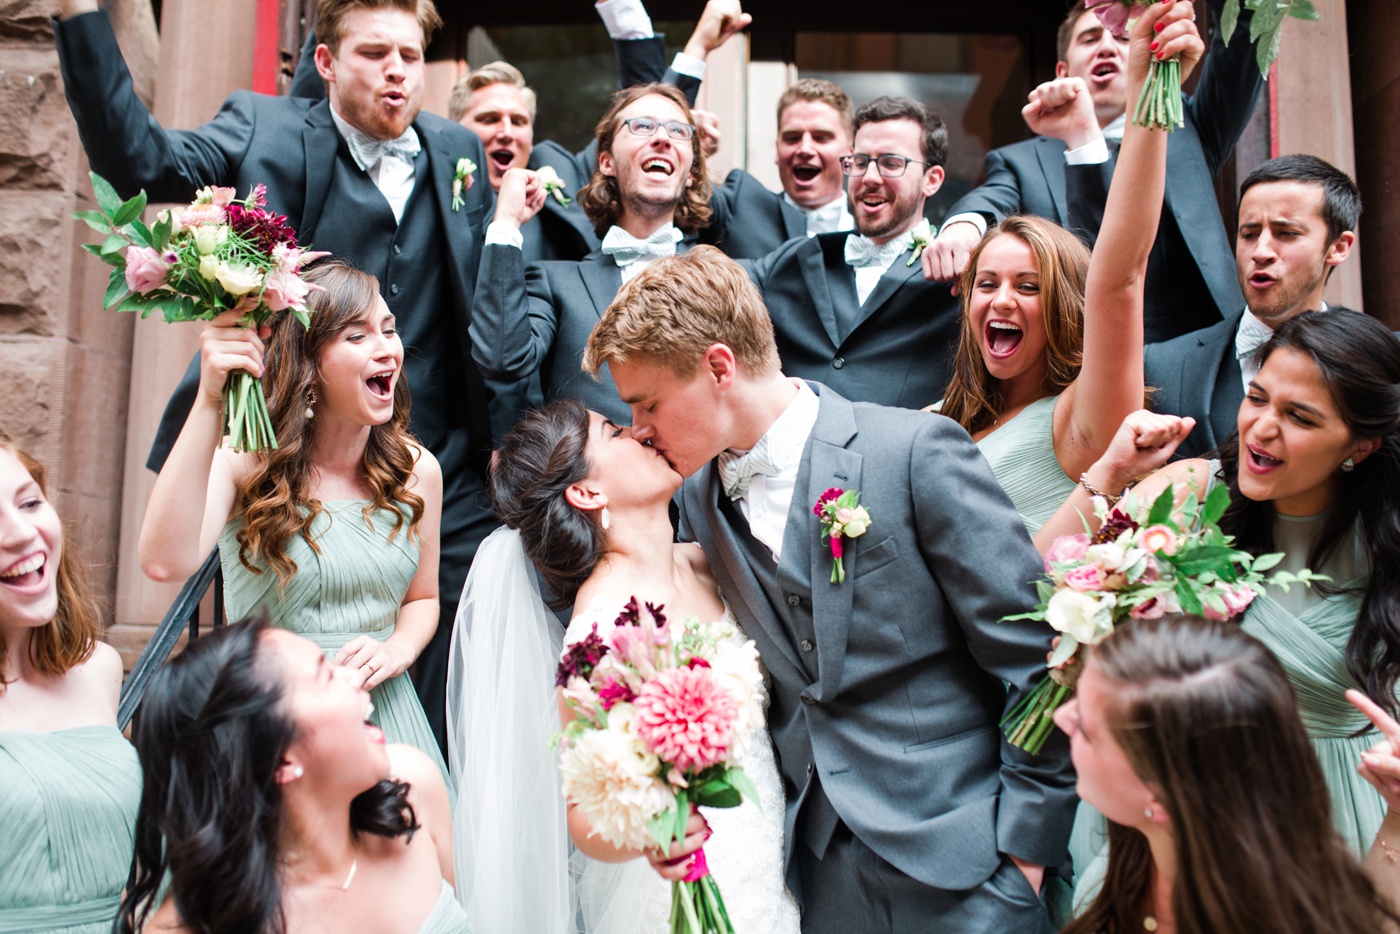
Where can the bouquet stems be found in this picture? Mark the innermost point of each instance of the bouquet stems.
(246, 421)
(1159, 105)
(1030, 722)
(698, 908)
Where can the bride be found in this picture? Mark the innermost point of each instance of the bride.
(587, 506)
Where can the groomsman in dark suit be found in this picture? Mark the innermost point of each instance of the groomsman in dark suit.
(815, 123)
(361, 173)
(853, 310)
(1189, 282)
(1298, 218)
(648, 193)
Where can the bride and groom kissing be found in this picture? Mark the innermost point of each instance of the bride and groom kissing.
(901, 806)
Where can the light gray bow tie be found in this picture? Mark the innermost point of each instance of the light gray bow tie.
(1249, 343)
(626, 249)
(736, 471)
(861, 251)
(366, 150)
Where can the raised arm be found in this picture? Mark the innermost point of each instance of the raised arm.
(193, 496)
(1110, 382)
(1380, 765)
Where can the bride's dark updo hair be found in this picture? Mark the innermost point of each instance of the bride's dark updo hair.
(540, 458)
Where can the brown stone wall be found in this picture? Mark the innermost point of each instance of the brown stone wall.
(1374, 28)
(67, 362)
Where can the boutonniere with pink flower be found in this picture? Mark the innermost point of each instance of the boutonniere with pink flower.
(1143, 563)
(842, 517)
(553, 184)
(923, 236)
(462, 178)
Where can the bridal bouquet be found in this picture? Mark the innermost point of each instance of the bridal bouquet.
(199, 261)
(1141, 564)
(1159, 105)
(663, 710)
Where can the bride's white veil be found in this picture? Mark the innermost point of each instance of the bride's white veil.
(510, 836)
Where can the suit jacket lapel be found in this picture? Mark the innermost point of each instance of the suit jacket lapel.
(1051, 154)
(602, 278)
(813, 264)
(746, 595)
(794, 221)
(442, 166)
(827, 463)
(320, 139)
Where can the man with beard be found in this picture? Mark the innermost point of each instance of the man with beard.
(853, 310)
(648, 193)
(1064, 172)
(1298, 218)
(361, 173)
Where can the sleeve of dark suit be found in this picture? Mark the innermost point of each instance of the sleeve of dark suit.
(172, 420)
(124, 143)
(513, 320)
(1227, 91)
(306, 80)
(642, 61)
(975, 545)
(998, 197)
(1086, 196)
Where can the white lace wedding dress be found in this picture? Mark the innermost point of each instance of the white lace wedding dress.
(745, 852)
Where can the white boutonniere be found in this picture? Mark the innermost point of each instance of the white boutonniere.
(462, 180)
(923, 236)
(553, 184)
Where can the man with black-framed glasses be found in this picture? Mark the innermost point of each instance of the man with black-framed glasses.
(852, 309)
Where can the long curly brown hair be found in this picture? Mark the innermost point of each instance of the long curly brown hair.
(973, 398)
(600, 198)
(272, 499)
(71, 636)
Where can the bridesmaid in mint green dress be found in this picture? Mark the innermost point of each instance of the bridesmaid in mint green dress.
(1314, 472)
(1049, 361)
(69, 781)
(336, 531)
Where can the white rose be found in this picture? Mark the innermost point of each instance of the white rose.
(1108, 557)
(857, 524)
(207, 239)
(548, 176)
(208, 268)
(1088, 619)
(237, 280)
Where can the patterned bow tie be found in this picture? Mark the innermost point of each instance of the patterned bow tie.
(828, 218)
(366, 150)
(626, 249)
(1250, 339)
(861, 251)
(736, 471)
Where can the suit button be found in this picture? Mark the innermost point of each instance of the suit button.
(394, 289)
(807, 645)
(794, 600)
(810, 768)
(838, 363)
(397, 249)
(807, 699)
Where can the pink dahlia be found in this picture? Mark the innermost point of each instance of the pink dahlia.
(686, 718)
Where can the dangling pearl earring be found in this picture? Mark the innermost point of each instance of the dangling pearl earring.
(606, 519)
(1348, 465)
(310, 401)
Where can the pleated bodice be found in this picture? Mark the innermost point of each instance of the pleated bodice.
(68, 803)
(448, 917)
(1022, 455)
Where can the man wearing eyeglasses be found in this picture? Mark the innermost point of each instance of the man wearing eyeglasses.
(647, 198)
(853, 310)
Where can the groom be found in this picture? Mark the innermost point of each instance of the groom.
(907, 810)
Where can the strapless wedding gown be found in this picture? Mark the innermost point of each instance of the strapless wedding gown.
(745, 853)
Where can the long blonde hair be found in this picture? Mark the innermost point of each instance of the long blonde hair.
(71, 636)
(272, 499)
(973, 398)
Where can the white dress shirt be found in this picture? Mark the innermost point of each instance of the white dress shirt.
(392, 175)
(766, 503)
(1250, 336)
(867, 277)
(832, 216)
(500, 233)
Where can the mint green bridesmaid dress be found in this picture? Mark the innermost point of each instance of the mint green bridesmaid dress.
(447, 917)
(68, 803)
(1022, 455)
(351, 588)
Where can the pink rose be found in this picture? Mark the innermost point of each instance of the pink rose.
(1239, 599)
(285, 290)
(222, 197)
(845, 514)
(1066, 548)
(1155, 608)
(1113, 14)
(1085, 578)
(1157, 538)
(146, 269)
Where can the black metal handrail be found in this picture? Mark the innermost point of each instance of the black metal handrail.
(183, 612)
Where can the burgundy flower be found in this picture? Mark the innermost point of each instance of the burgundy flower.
(581, 658)
(1115, 525)
(832, 493)
(615, 692)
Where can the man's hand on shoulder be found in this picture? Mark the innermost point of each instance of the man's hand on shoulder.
(946, 257)
(520, 198)
(67, 9)
(1063, 109)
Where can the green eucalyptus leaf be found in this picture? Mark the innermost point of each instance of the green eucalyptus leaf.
(1162, 507)
(140, 232)
(682, 814)
(1229, 18)
(1303, 9)
(1212, 558)
(1267, 51)
(1217, 501)
(96, 220)
(160, 233)
(116, 288)
(1264, 562)
(130, 210)
(114, 243)
(1186, 595)
(107, 198)
(741, 782)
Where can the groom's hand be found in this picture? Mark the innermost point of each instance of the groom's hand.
(1034, 873)
(676, 864)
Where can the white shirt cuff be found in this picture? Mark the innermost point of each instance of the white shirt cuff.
(1094, 153)
(689, 65)
(500, 233)
(625, 19)
(970, 217)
